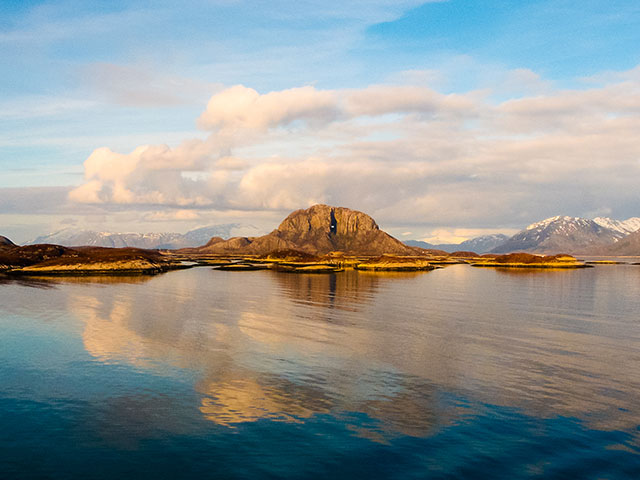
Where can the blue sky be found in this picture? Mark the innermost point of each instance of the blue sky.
(78, 76)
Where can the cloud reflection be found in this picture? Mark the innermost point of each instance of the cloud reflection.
(288, 347)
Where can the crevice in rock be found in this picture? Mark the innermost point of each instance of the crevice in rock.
(333, 225)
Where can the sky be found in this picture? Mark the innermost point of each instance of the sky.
(443, 120)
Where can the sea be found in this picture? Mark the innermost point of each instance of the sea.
(456, 373)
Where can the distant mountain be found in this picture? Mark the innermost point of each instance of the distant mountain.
(627, 246)
(419, 244)
(482, 244)
(560, 235)
(72, 237)
(318, 230)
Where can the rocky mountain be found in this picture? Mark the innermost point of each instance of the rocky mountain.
(560, 234)
(318, 230)
(482, 244)
(74, 237)
(4, 241)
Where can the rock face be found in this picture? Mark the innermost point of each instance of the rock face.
(559, 234)
(318, 230)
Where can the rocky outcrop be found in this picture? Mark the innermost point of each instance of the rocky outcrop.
(318, 230)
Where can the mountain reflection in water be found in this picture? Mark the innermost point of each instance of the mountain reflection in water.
(387, 356)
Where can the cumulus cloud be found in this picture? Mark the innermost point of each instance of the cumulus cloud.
(151, 174)
(240, 107)
(408, 154)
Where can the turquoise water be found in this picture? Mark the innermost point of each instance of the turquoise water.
(454, 373)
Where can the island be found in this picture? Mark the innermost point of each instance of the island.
(528, 260)
(48, 259)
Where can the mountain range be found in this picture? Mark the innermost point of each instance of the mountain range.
(71, 237)
(482, 244)
(562, 234)
(322, 229)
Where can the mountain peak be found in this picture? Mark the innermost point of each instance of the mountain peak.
(551, 220)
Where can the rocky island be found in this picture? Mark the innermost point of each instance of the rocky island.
(47, 259)
(318, 230)
(319, 239)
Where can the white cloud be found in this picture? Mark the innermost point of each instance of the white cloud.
(407, 154)
(380, 100)
(240, 107)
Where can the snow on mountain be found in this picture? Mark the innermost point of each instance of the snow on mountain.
(623, 226)
(560, 234)
(549, 221)
(70, 237)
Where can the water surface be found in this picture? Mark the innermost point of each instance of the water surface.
(454, 373)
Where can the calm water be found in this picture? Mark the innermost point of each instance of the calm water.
(454, 373)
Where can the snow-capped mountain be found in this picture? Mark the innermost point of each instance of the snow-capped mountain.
(629, 225)
(560, 234)
(70, 237)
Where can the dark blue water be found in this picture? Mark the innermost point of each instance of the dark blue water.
(455, 373)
